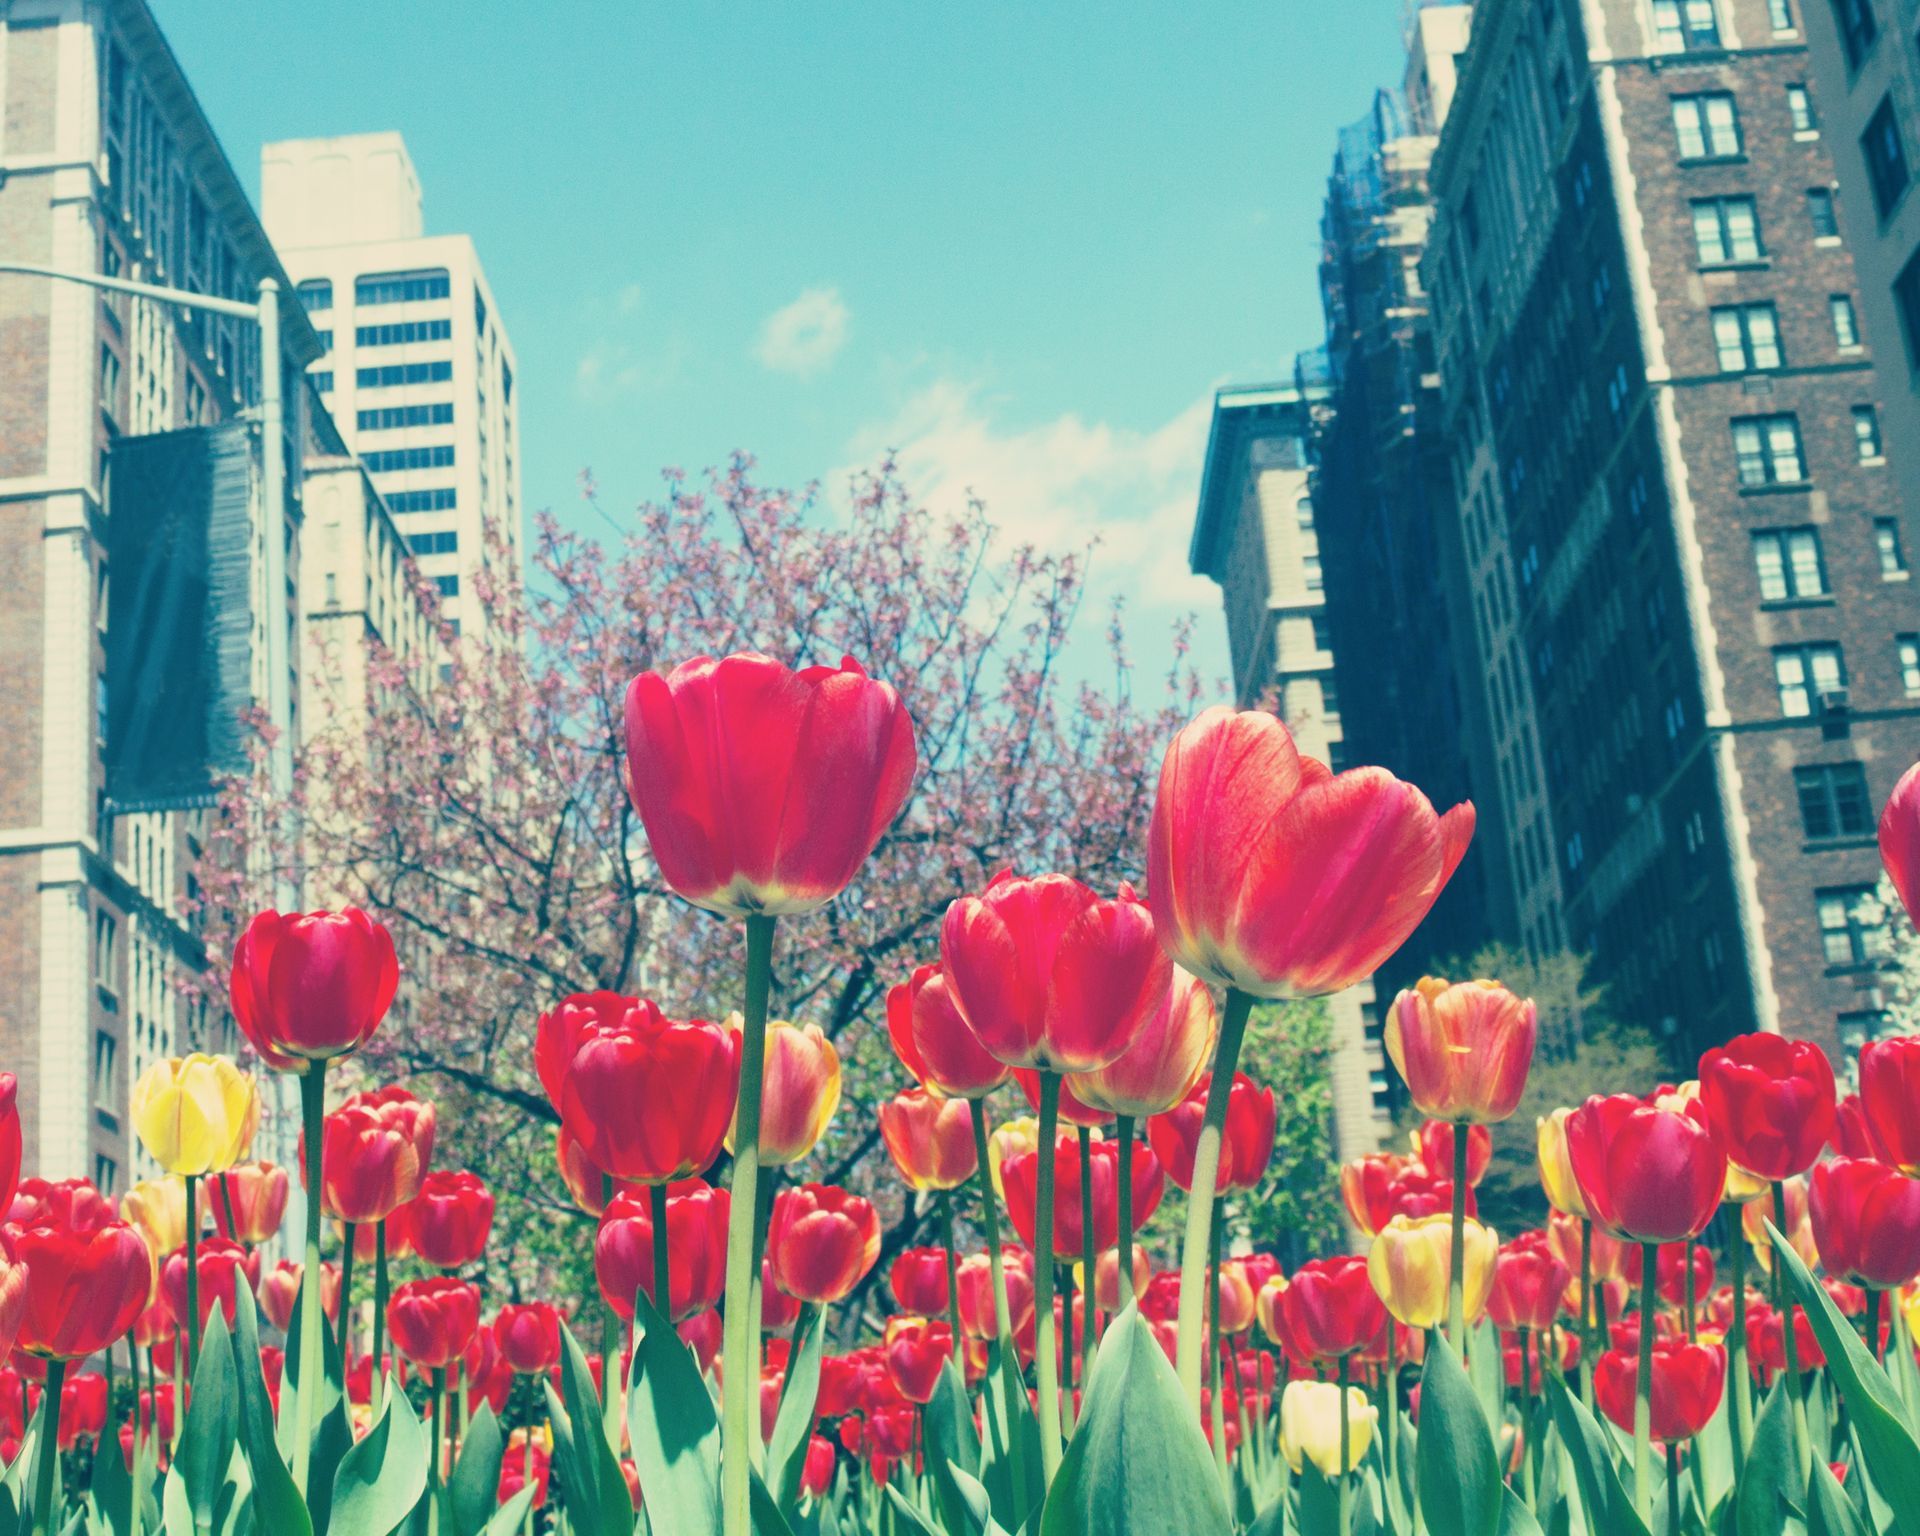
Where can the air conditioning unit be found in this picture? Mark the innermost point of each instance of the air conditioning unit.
(1833, 701)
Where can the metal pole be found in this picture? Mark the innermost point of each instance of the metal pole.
(273, 479)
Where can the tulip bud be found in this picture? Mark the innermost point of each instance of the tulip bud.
(1866, 1221)
(1409, 1266)
(696, 1250)
(940, 1047)
(195, 1114)
(918, 1280)
(1310, 1426)
(248, 1201)
(528, 1336)
(157, 1208)
(930, 1139)
(312, 987)
(1433, 1146)
(434, 1320)
(800, 1088)
(1770, 1100)
(1246, 1144)
(375, 1151)
(1464, 1049)
(916, 1351)
(1556, 1165)
(1650, 1174)
(1165, 1061)
(822, 1242)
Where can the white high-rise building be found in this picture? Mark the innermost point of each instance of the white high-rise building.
(420, 374)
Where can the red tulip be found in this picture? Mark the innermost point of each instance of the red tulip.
(1380, 1186)
(559, 1032)
(822, 1241)
(701, 1334)
(1330, 1308)
(1464, 1049)
(1670, 1273)
(85, 1288)
(1270, 874)
(1866, 1221)
(1245, 1148)
(764, 790)
(375, 1149)
(528, 1336)
(977, 1315)
(817, 1475)
(1021, 1176)
(434, 1320)
(696, 1249)
(1433, 1144)
(582, 1176)
(248, 1201)
(1890, 1093)
(650, 1098)
(223, 1265)
(839, 1391)
(9, 1138)
(917, 1351)
(1164, 1062)
(1528, 1284)
(936, 1043)
(1050, 975)
(83, 1408)
(73, 1205)
(918, 1280)
(1900, 840)
(930, 1139)
(1852, 1135)
(279, 1288)
(450, 1218)
(1650, 1174)
(1767, 1340)
(515, 1464)
(309, 987)
(1106, 1277)
(158, 1404)
(1770, 1101)
(13, 1299)
(1687, 1382)
(778, 1311)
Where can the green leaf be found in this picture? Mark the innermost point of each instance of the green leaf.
(1459, 1470)
(112, 1486)
(1609, 1510)
(207, 1437)
(1271, 1521)
(1828, 1512)
(1772, 1495)
(973, 1498)
(278, 1507)
(1486, 1369)
(598, 1503)
(1319, 1500)
(382, 1477)
(1012, 1506)
(793, 1426)
(474, 1488)
(1892, 1456)
(507, 1519)
(675, 1434)
(952, 1445)
(915, 1521)
(1515, 1518)
(1137, 1461)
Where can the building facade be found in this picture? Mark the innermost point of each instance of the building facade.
(419, 374)
(1254, 535)
(107, 167)
(1686, 547)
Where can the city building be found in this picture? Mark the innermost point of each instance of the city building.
(1862, 96)
(419, 372)
(1687, 553)
(1254, 536)
(109, 168)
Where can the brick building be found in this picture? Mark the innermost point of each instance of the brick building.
(109, 167)
(1687, 554)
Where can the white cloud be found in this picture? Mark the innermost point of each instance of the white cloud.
(805, 336)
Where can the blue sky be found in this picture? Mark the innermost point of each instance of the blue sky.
(1021, 244)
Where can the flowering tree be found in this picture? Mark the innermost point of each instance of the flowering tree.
(488, 821)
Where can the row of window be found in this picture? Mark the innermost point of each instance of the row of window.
(1746, 337)
(1811, 678)
(1707, 123)
(1726, 230)
(402, 373)
(1791, 565)
(1767, 450)
(387, 417)
(444, 542)
(386, 460)
(316, 293)
(440, 499)
(402, 333)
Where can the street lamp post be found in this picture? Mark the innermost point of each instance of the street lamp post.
(273, 479)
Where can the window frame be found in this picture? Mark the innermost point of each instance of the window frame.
(1866, 941)
(1832, 787)
(1884, 133)
(1742, 316)
(1804, 655)
(1700, 105)
(1729, 256)
(1791, 567)
(1767, 454)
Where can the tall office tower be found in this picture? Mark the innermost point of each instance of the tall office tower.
(1254, 535)
(420, 374)
(1688, 581)
(1382, 504)
(120, 418)
(1862, 96)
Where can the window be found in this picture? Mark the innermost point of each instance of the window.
(401, 287)
(449, 585)
(106, 935)
(1780, 13)
(109, 380)
(1858, 29)
(1310, 573)
(1800, 109)
(445, 542)
(1846, 328)
(1746, 337)
(106, 1173)
(401, 334)
(403, 373)
(1886, 156)
(1820, 214)
(105, 1050)
(1866, 434)
(315, 295)
(1909, 653)
(1788, 563)
(1853, 924)
(1303, 514)
(440, 500)
(1906, 296)
(1767, 450)
(385, 461)
(325, 337)
(391, 416)
(100, 709)
(1726, 229)
(322, 381)
(1681, 24)
(1886, 539)
(1833, 800)
(1803, 673)
(1707, 126)
(1854, 1030)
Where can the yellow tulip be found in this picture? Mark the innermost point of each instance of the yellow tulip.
(800, 1089)
(1310, 1425)
(1556, 1166)
(1742, 1186)
(1010, 1139)
(195, 1114)
(158, 1209)
(1409, 1262)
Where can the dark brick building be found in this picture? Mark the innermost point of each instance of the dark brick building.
(1687, 558)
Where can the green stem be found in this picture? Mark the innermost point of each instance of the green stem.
(741, 1386)
(342, 1335)
(1643, 1390)
(1123, 1128)
(1673, 1489)
(1586, 1313)
(1089, 1255)
(225, 1183)
(662, 1264)
(1526, 1415)
(1045, 1358)
(439, 1447)
(140, 1431)
(1740, 1404)
(193, 1269)
(1390, 1404)
(378, 1379)
(1206, 1174)
(953, 1280)
(1345, 1502)
(1010, 1373)
(1873, 1322)
(526, 1473)
(1457, 1255)
(313, 1114)
(1693, 1328)
(1789, 1338)
(1067, 1354)
(1216, 1413)
(46, 1479)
